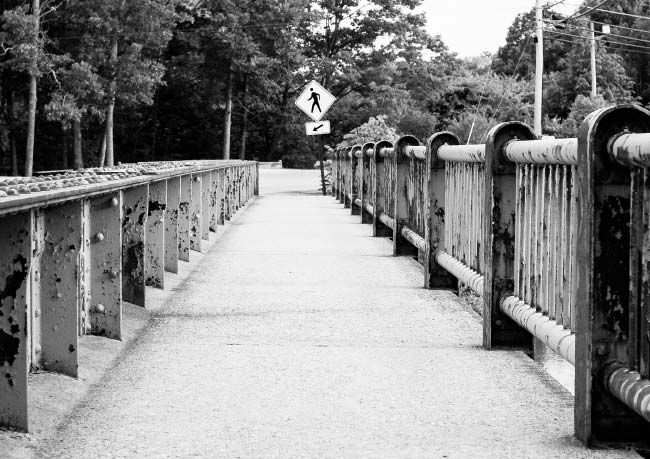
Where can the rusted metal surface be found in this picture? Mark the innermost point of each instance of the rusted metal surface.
(499, 236)
(416, 152)
(155, 228)
(414, 238)
(135, 208)
(546, 151)
(104, 260)
(461, 271)
(612, 278)
(630, 388)
(545, 329)
(196, 208)
(464, 226)
(60, 296)
(631, 150)
(206, 191)
(545, 240)
(356, 179)
(387, 220)
(408, 196)
(367, 182)
(171, 224)
(385, 182)
(15, 261)
(462, 153)
(184, 218)
(72, 251)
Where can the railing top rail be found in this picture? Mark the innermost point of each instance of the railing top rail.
(462, 153)
(631, 150)
(416, 151)
(368, 149)
(387, 152)
(20, 193)
(545, 151)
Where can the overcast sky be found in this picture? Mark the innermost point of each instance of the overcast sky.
(470, 27)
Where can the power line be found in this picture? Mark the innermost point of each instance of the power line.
(602, 44)
(577, 14)
(610, 41)
(623, 14)
(605, 34)
(621, 27)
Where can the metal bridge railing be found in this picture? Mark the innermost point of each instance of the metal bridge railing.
(75, 245)
(553, 234)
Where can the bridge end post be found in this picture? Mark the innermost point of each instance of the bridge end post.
(435, 276)
(613, 257)
(499, 235)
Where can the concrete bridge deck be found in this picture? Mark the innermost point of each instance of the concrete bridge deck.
(299, 335)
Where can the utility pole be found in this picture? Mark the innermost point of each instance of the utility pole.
(539, 67)
(594, 88)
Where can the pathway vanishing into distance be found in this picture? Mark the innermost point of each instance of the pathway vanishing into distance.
(299, 335)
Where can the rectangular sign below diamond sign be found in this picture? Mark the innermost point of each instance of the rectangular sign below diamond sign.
(315, 101)
(318, 128)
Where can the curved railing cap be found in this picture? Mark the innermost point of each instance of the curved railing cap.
(379, 146)
(356, 151)
(402, 143)
(436, 141)
(602, 126)
(497, 139)
(368, 149)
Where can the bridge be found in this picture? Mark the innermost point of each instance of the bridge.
(309, 326)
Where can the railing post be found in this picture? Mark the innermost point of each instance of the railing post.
(105, 265)
(356, 178)
(257, 179)
(195, 213)
(366, 183)
(435, 276)
(402, 202)
(214, 200)
(499, 236)
(171, 224)
(382, 185)
(60, 277)
(611, 264)
(349, 173)
(155, 248)
(184, 218)
(135, 207)
(205, 205)
(15, 265)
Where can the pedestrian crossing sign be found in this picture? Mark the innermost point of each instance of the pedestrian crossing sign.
(315, 101)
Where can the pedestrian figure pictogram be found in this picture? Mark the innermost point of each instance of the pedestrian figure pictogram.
(315, 100)
(315, 97)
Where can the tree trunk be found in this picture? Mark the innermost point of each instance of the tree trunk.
(12, 132)
(110, 152)
(64, 156)
(102, 151)
(227, 122)
(31, 111)
(76, 145)
(244, 121)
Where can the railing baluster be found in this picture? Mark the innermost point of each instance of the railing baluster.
(171, 224)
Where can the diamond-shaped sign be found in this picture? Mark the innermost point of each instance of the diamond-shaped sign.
(315, 101)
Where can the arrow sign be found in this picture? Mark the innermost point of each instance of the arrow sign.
(315, 101)
(318, 128)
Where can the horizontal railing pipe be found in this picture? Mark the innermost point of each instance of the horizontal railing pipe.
(462, 153)
(545, 151)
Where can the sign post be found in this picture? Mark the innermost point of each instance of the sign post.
(315, 101)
